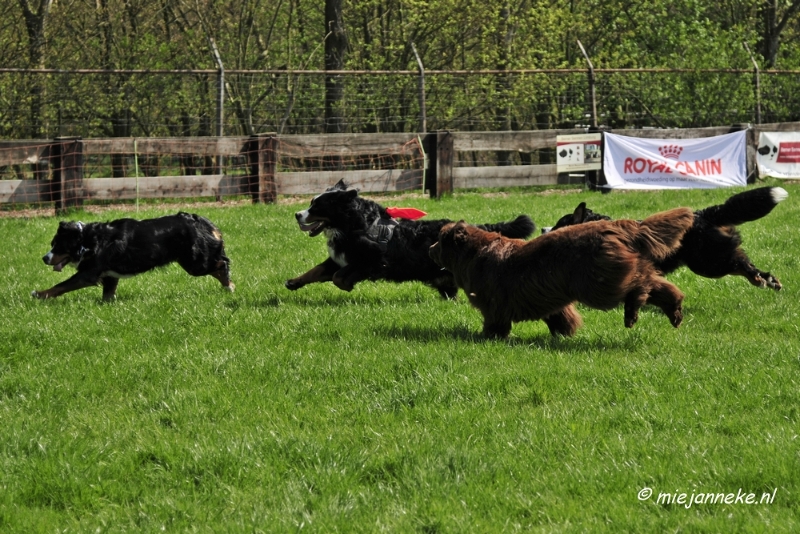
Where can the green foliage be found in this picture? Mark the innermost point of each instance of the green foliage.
(181, 407)
(471, 35)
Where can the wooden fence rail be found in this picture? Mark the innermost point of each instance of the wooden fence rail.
(66, 186)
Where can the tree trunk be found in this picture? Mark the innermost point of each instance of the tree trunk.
(335, 49)
(35, 23)
(772, 25)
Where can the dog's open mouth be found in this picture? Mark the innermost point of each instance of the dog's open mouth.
(60, 265)
(313, 228)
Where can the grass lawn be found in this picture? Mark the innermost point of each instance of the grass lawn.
(181, 407)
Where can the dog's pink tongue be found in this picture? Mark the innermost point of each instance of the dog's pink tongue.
(58, 266)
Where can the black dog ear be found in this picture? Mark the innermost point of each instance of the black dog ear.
(579, 215)
(351, 193)
(70, 225)
(341, 185)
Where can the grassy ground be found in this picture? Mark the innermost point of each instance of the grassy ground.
(181, 407)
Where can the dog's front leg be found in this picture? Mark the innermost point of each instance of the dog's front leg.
(76, 281)
(109, 288)
(321, 273)
(348, 276)
(564, 322)
(495, 328)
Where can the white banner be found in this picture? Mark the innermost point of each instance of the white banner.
(636, 163)
(779, 154)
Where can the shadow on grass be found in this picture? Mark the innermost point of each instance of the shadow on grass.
(544, 341)
(342, 299)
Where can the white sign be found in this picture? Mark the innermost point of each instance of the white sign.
(779, 154)
(636, 163)
(579, 152)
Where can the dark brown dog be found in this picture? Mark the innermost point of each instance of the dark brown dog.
(599, 264)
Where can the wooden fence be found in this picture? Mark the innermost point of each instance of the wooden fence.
(66, 186)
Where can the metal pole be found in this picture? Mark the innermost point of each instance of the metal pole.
(220, 87)
(136, 171)
(757, 83)
(592, 94)
(423, 115)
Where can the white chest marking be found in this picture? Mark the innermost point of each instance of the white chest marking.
(338, 258)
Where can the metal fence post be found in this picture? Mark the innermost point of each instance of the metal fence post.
(592, 91)
(423, 115)
(756, 83)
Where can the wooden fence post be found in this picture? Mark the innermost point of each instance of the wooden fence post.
(429, 173)
(263, 156)
(444, 164)
(67, 183)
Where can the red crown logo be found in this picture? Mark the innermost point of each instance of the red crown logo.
(671, 151)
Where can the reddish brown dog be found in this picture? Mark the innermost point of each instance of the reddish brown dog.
(600, 264)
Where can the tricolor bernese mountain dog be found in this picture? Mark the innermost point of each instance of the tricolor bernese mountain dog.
(712, 246)
(366, 243)
(105, 252)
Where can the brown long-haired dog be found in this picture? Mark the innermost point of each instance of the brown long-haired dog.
(599, 264)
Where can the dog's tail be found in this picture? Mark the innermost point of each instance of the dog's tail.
(520, 228)
(660, 234)
(744, 207)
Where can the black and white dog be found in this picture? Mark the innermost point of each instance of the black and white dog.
(366, 243)
(105, 252)
(712, 246)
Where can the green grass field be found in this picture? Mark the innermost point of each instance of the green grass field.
(181, 407)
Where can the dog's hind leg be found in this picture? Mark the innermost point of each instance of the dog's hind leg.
(109, 288)
(758, 278)
(669, 298)
(564, 322)
(321, 273)
(216, 265)
(223, 274)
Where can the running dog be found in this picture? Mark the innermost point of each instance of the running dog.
(103, 253)
(365, 242)
(600, 265)
(712, 246)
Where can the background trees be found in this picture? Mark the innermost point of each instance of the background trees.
(368, 35)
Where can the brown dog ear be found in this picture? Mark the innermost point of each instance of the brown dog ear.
(460, 232)
(578, 216)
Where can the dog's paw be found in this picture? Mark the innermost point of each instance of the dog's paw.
(38, 295)
(773, 283)
(344, 286)
(677, 318)
(291, 285)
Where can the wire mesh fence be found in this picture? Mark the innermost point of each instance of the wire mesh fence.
(50, 103)
(72, 172)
